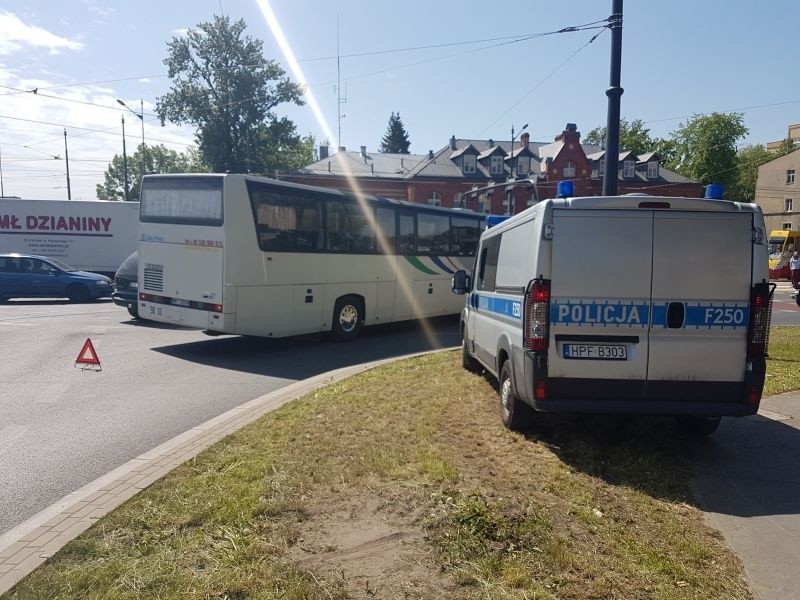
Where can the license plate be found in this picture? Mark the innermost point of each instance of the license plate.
(179, 302)
(596, 351)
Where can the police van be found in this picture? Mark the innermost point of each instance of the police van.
(625, 304)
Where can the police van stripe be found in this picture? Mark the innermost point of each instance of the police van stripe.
(706, 315)
(598, 312)
(511, 309)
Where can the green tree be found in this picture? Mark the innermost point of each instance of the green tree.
(224, 86)
(748, 159)
(155, 159)
(396, 139)
(705, 147)
(633, 136)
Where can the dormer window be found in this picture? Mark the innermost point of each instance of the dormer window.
(496, 166)
(569, 170)
(652, 169)
(469, 163)
(523, 166)
(628, 168)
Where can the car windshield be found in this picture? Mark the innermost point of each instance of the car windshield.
(60, 265)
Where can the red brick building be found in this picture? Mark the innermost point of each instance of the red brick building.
(486, 175)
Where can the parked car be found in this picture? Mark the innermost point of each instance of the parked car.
(126, 287)
(31, 276)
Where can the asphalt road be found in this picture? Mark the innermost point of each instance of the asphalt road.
(785, 310)
(62, 427)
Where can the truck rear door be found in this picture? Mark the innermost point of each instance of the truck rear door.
(600, 303)
(702, 267)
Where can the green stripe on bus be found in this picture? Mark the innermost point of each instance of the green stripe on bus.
(417, 264)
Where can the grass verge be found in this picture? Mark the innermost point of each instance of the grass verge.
(401, 483)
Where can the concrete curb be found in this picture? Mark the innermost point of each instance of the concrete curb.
(33, 541)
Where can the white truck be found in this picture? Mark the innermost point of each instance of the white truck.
(88, 235)
(628, 304)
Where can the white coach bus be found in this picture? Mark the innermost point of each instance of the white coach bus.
(247, 255)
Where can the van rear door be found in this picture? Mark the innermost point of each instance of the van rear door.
(702, 271)
(600, 304)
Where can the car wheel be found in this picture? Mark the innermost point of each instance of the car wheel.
(78, 293)
(515, 414)
(467, 360)
(698, 426)
(348, 318)
(133, 311)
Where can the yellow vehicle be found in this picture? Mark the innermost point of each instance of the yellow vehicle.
(782, 244)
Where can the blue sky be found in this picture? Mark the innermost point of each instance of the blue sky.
(679, 58)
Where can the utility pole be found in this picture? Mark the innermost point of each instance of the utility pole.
(614, 93)
(124, 159)
(144, 148)
(339, 98)
(66, 159)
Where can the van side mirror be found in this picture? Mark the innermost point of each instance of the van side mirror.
(460, 283)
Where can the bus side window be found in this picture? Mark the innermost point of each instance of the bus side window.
(406, 241)
(433, 234)
(387, 237)
(464, 234)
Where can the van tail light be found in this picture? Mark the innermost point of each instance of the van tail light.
(760, 317)
(536, 316)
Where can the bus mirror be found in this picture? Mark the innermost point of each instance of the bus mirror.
(460, 282)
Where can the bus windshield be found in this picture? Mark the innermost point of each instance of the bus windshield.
(776, 247)
(184, 200)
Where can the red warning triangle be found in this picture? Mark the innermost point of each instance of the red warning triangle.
(87, 355)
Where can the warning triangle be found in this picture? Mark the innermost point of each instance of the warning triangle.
(87, 355)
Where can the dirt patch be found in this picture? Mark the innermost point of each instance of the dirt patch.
(373, 547)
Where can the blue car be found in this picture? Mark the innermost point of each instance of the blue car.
(29, 276)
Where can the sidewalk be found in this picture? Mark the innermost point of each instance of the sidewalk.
(747, 479)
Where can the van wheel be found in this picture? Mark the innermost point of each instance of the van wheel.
(77, 293)
(467, 360)
(698, 426)
(348, 318)
(515, 414)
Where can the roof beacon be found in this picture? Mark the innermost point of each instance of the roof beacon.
(714, 191)
(565, 189)
(493, 220)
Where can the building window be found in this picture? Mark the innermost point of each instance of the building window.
(458, 200)
(628, 168)
(602, 167)
(787, 205)
(523, 165)
(485, 201)
(652, 169)
(496, 167)
(469, 163)
(790, 176)
(569, 170)
(786, 226)
(435, 199)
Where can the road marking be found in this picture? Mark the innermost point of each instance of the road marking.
(10, 434)
(18, 324)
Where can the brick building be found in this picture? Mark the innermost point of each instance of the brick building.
(490, 175)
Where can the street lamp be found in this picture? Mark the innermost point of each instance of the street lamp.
(141, 118)
(511, 175)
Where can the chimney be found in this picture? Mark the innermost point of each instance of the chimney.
(490, 143)
(453, 143)
(364, 151)
(323, 152)
(524, 139)
(571, 132)
(430, 154)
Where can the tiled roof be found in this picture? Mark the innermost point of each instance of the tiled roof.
(374, 164)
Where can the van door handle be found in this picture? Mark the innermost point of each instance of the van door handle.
(676, 315)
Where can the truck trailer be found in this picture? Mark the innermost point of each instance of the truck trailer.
(87, 235)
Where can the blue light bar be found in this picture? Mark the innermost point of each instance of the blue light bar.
(565, 189)
(493, 220)
(714, 191)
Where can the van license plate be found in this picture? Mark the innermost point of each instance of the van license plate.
(596, 351)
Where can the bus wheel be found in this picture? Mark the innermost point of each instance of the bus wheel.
(467, 360)
(133, 311)
(348, 318)
(698, 426)
(515, 414)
